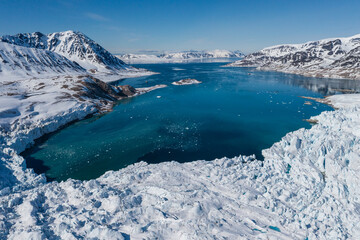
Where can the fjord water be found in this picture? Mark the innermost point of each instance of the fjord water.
(234, 111)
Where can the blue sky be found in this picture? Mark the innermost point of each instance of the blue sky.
(134, 25)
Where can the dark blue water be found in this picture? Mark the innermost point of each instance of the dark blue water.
(234, 111)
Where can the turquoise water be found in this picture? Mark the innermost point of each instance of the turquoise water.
(234, 111)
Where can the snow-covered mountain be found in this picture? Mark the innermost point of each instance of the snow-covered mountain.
(334, 58)
(76, 47)
(202, 54)
(180, 56)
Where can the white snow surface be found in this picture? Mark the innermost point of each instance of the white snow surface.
(184, 56)
(329, 58)
(344, 101)
(307, 186)
(18, 62)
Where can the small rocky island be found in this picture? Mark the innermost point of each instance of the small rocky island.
(187, 81)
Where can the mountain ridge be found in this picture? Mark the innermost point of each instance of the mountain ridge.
(332, 58)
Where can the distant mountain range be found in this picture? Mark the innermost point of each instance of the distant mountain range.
(73, 46)
(333, 58)
(180, 56)
(36, 54)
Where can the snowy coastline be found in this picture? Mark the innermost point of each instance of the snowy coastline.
(305, 187)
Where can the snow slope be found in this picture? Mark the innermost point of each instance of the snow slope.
(332, 58)
(79, 48)
(180, 56)
(22, 62)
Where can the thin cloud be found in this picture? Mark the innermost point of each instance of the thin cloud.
(96, 17)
